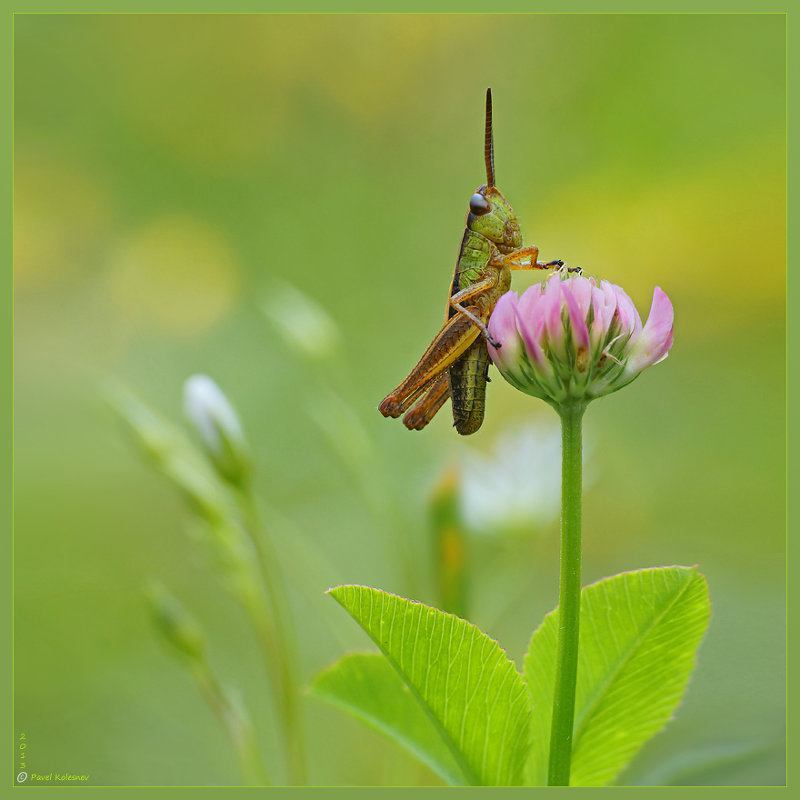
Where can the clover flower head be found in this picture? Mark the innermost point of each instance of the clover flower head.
(574, 339)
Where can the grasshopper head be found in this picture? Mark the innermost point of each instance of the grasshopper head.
(490, 214)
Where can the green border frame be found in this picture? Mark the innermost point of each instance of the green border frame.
(360, 6)
(406, 7)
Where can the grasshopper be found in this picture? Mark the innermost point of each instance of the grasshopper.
(456, 363)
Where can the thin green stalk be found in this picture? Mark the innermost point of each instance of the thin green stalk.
(239, 728)
(450, 546)
(569, 596)
(276, 636)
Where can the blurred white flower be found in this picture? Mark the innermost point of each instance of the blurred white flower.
(517, 485)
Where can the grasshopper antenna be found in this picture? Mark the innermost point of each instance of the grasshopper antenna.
(488, 147)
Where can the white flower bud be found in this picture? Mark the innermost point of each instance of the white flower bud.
(218, 428)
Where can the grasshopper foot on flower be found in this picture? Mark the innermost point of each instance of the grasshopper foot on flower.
(562, 268)
(493, 342)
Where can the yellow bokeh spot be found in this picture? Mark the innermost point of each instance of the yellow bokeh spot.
(176, 275)
(60, 214)
(700, 235)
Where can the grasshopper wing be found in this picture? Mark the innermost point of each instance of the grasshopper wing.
(457, 334)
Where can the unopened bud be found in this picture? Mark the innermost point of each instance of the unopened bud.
(175, 623)
(218, 428)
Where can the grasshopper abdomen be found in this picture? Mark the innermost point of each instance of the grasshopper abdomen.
(467, 379)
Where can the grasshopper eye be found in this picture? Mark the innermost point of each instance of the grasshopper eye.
(479, 205)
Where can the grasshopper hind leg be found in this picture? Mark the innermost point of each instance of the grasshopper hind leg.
(426, 408)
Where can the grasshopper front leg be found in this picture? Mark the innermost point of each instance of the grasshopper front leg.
(457, 334)
(468, 293)
(526, 258)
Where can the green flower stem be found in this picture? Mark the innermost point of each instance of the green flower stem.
(276, 636)
(238, 727)
(569, 597)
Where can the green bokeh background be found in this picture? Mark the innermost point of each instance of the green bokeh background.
(171, 169)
